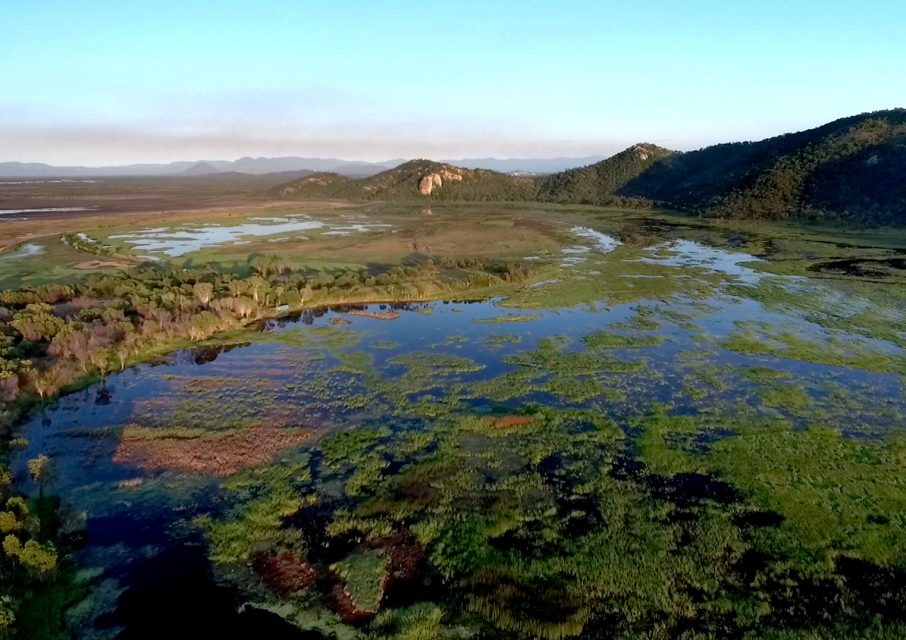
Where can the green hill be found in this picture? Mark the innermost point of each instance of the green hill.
(601, 183)
(851, 169)
(416, 180)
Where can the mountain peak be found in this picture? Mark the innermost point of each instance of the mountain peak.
(200, 169)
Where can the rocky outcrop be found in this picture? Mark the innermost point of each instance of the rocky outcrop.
(429, 183)
(435, 180)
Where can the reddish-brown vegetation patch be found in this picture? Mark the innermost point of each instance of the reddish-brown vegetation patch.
(405, 557)
(341, 601)
(506, 422)
(218, 454)
(386, 315)
(285, 572)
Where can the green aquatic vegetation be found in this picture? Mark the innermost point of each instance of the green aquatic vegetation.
(334, 338)
(761, 338)
(499, 339)
(261, 499)
(384, 345)
(422, 621)
(644, 319)
(255, 524)
(551, 355)
(366, 474)
(432, 407)
(425, 371)
(326, 337)
(573, 388)
(429, 365)
(619, 277)
(667, 443)
(513, 384)
(838, 496)
(607, 340)
(533, 534)
(764, 374)
(355, 362)
(364, 574)
(352, 446)
(478, 494)
(509, 318)
(791, 398)
(873, 631)
(412, 442)
(345, 522)
(870, 311)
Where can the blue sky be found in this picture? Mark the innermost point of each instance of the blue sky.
(110, 81)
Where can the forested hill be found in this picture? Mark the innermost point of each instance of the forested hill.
(851, 169)
(603, 182)
(416, 180)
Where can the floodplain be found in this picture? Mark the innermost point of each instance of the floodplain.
(514, 421)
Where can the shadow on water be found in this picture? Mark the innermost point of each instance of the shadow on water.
(173, 595)
(862, 267)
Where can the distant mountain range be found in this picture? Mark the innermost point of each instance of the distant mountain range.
(257, 166)
(248, 165)
(852, 169)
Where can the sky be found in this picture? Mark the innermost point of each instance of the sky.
(108, 82)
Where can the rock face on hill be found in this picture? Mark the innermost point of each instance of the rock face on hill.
(852, 169)
(435, 180)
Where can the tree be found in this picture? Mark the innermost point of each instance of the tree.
(258, 287)
(203, 325)
(37, 322)
(45, 382)
(237, 287)
(100, 358)
(123, 351)
(41, 471)
(40, 558)
(7, 614)
(204, 291)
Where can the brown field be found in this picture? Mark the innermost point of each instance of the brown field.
(220, 454)
(127, 205)
(113, 202)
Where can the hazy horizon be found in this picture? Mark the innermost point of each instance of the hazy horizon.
(102, 83)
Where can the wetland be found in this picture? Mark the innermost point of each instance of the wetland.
(459, 421)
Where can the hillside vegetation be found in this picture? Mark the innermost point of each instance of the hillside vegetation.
(416, 179)
(851, 169)
(603, 182)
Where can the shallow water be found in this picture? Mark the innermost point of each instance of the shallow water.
(9, 212)
(329, 372)
(603, 242)
(179, 241)
(688, 253)
(24, 251)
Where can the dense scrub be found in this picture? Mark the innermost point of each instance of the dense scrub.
(54, 335)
